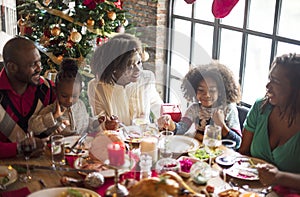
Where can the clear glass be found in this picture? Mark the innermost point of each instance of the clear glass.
(289, 25)
(181, 47)
(212, 140)
(182, 8)
(261, 16)
(27, 147)
(236, 16)
(285, 48)
(165, 138)
(202, 47)
(257, 68)
(58, 150)
(230, 50)
(203, 10)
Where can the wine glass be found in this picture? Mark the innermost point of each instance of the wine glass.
(27, 147)
(212, 139)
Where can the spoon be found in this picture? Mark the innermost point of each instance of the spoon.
(92, 180)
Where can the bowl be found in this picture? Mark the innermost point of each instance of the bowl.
(200, 172)
(167, 164)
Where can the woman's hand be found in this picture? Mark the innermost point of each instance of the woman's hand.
(166, 122)
(267, 173)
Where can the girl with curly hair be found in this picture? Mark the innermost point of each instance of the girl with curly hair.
(214, 93)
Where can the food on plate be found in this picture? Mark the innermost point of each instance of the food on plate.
(92, 165)
(168, 184)
(202, 154)
(71, 192)
(250, 194)
(229, 193)
(185, 164)
(210, 189)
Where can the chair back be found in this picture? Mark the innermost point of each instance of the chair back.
(243, 111)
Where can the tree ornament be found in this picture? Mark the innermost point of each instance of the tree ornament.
(47, 2)
(22, 25)
(90, 22)
(125, 22)
(120, 29)
(83, 29)
(101, 22)
(112, 15)
(75, 36)
(55, 31)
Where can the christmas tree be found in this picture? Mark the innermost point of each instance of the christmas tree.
(70, 29)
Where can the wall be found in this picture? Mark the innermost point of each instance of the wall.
(150, 19)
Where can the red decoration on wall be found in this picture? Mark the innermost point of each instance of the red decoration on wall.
(189, 1)
(221, 8)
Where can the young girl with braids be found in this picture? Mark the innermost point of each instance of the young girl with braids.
(214, 93)
(68, 115)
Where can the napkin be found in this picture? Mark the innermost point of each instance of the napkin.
(286, 192)
(23, 192)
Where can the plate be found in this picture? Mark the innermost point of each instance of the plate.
(225, 161)
(61, 192)
(203, 155)
(107, 173)
(132, 134)
(70, 140)
(8, 172)
(180, 144)
(243, 169)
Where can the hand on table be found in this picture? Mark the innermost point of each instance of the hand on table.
(267, 173)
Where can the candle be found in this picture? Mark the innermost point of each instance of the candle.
(116, 154)
(148, 146)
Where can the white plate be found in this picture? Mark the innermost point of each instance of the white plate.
(203, 154)
(12, 174)
(129, 164)
(242, 169)
(70, 140)
(57, 192)
(179, 144)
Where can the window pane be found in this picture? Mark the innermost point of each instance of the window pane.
(176, 95)
(182, 8)
(284, 48)
(236, 16)
(257, 68)
(203, 10)
(203, 44)
(181, 46)
(230, 51)
(289, 25)
(261, 16)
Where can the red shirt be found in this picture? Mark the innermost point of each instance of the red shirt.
(22, 103)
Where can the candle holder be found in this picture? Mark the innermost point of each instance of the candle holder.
(116, 190)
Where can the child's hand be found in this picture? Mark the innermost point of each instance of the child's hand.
(165, 122)
(60, 110)
(219, 117)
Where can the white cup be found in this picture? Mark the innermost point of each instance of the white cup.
(58, 150)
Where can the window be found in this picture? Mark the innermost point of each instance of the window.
(247, 40)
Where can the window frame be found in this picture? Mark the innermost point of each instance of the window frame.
(218, 26)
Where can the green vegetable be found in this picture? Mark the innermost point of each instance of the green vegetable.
(74, 193)
(4, 180)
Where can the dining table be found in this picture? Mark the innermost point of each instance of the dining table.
(51, 178)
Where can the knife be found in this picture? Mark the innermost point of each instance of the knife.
(53, 168)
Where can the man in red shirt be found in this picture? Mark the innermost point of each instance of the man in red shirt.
(23, 91)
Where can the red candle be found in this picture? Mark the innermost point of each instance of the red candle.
(116, 154)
